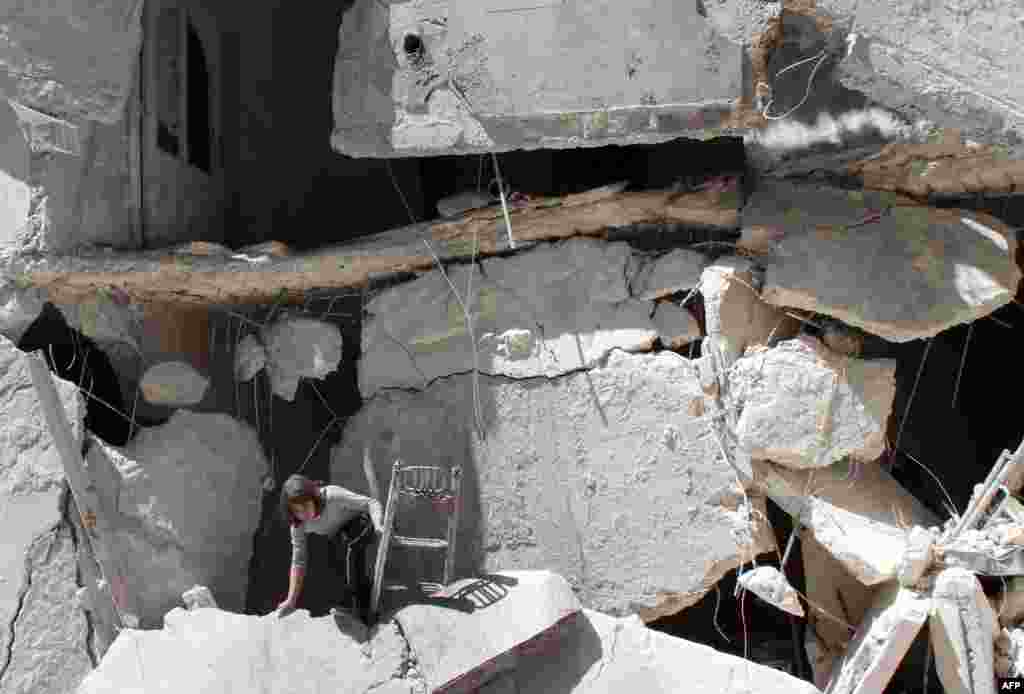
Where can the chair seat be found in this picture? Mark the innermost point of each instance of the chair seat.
(421, 542)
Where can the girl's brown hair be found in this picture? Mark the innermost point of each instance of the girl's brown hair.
(298, 489)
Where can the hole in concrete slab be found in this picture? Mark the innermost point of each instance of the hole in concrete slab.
(297, 435)
(76, 358)
(413, 46)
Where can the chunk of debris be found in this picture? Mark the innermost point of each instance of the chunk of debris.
(1010, 603)
(770, 584)
(198, 597)
(515, 614)
(882, 640)
(931, 269)
(854, 511)
(917, 557)
(735, 313)
(673, 272)
(300, 348)
(250, 358)
(19, 307)
(174, 384)
(805, 407)
(963, 628)
(275, 249)
(676, 326)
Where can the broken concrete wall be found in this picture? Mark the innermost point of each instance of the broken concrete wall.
(600, 475)
(469, 78)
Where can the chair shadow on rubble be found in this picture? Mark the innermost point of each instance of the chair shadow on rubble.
(465, 596)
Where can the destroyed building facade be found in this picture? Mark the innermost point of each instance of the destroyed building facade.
(713, 303)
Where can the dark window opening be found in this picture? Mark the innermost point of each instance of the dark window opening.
(198, 100)
(168, 81)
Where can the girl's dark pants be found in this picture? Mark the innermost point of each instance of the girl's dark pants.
(348, 556)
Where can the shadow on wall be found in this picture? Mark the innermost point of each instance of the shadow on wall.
(75, 358)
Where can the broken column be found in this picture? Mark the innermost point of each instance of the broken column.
(963, 629)
(882, 640)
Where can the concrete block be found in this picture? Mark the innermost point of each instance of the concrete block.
(963, 629)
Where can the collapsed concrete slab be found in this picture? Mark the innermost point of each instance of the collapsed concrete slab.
(1010, 604)
(806, 407)
(544, 312)
(837, 603)
(184, 499)
(882, 640)
(598, 475)
(600, 654)
(452, 78)
(963, 628)
(928, 269)
(74, 58)
(857, 512)
(162, 276)
(210, 650)
(678, 270)
(514, 615)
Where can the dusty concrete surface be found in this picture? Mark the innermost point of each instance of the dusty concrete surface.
(544, 312)
(184, 499)
(676, 326)
(962, 627)
(209, 650)
(605, 655)
(807, 407)
(159, 276)
(599, 475)
(73, 58)
(913, 273)
(666, 274)
(503, 76)
(508, 610)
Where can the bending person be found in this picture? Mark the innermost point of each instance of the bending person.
(350, 520)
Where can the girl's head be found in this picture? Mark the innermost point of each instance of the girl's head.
(300, 499)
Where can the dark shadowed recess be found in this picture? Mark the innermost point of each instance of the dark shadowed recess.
(76, 358)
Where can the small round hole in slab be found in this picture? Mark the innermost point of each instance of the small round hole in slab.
(412, 45)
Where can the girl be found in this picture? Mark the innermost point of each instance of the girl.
(350, 520)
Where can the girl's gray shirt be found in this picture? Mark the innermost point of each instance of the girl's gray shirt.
(339, 507)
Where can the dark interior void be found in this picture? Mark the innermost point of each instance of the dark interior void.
(301, 436)
(75, 358)
(198, 100)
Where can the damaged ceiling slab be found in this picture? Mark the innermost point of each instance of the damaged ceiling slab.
(204, 273)
(459, 76)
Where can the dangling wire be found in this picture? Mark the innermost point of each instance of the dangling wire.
(820, 57)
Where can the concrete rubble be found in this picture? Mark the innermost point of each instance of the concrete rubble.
(636, 516)
(963, 632)
(561, 648)
(676, 326)
(930, 269)
(198, 597)
(837, 408)
(882, 639)
(545, 312)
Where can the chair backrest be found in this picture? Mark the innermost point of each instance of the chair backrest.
(424, 480)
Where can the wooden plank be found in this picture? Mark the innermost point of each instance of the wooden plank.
(97, 525)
